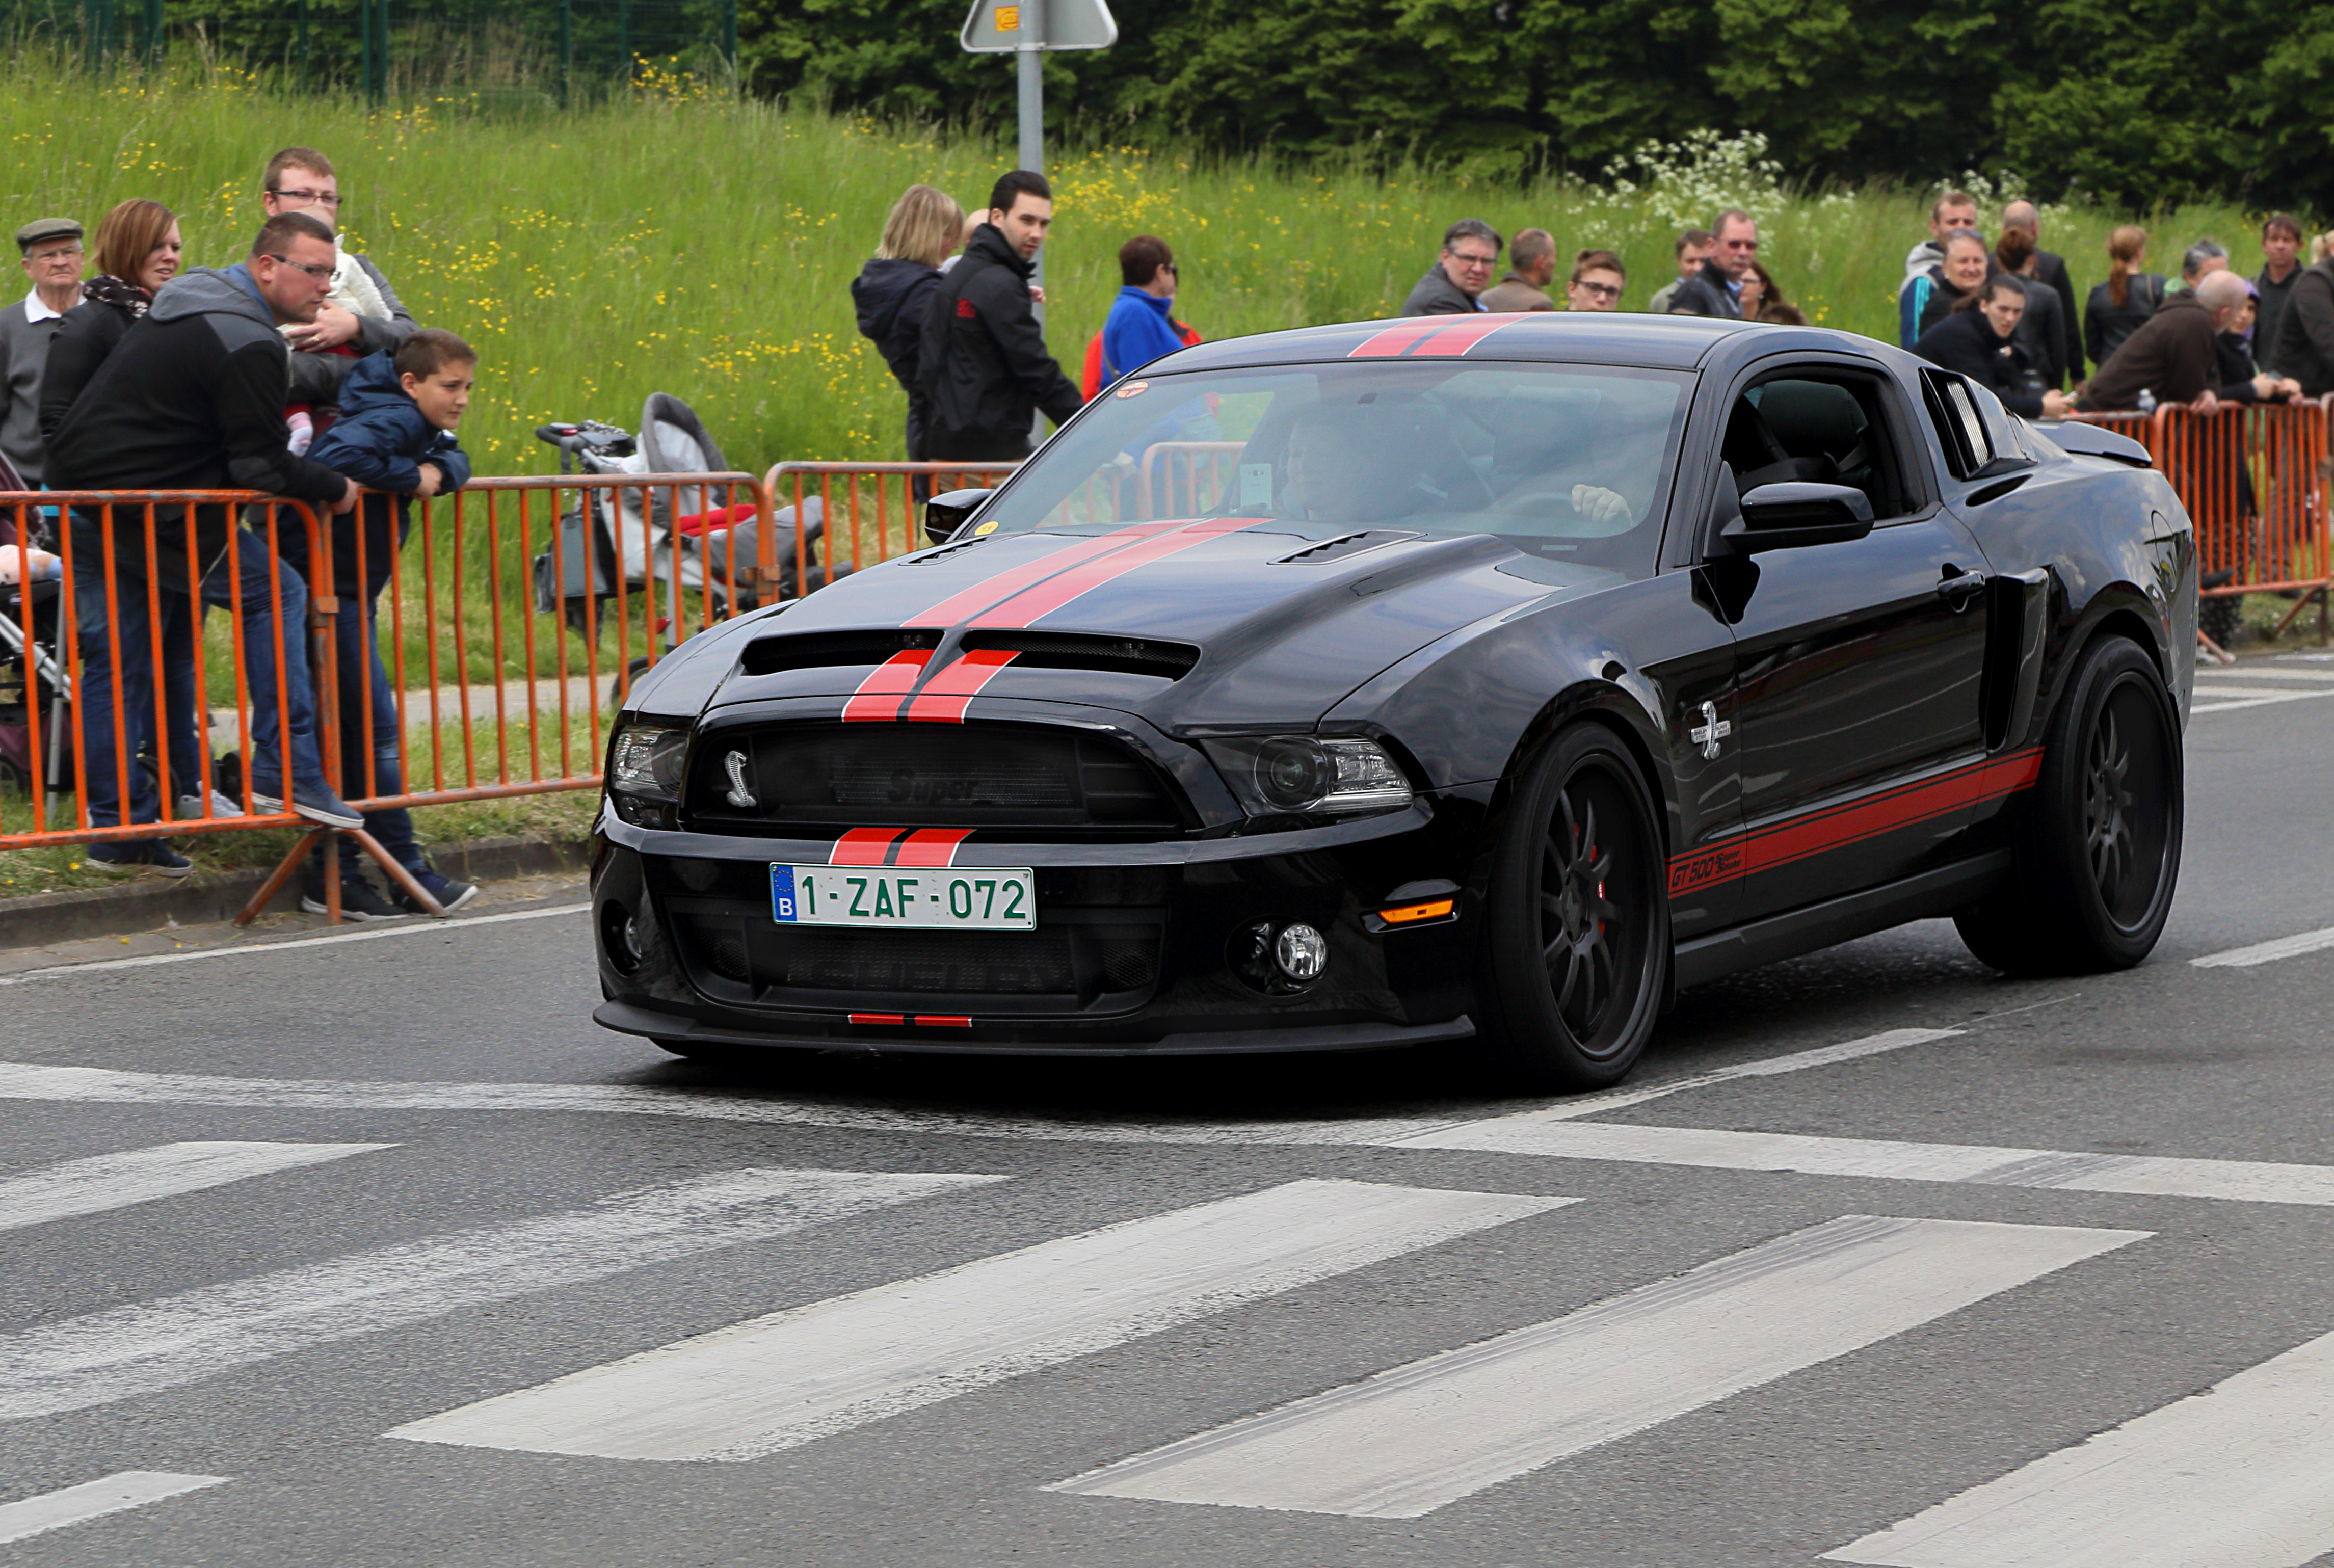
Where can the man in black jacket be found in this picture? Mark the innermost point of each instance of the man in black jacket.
(2304, 349)
(2050, 269)
(193, 400)
(982, 365)
(1717, 289)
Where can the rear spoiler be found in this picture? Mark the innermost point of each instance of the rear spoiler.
(2096, 441)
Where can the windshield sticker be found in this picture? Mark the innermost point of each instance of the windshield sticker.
(1134, 389)
(987, 528)
(1256, 483)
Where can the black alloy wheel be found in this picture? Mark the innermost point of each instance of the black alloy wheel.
(2098, 854)
(1576, 948)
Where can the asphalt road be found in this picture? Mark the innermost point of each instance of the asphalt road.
(377, 1251)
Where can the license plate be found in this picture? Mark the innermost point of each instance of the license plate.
(987, 900)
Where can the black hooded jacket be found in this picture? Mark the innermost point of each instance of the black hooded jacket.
(1706, 294)
(2304, 349)
(190, 399)
(982, 364)
(891, 294)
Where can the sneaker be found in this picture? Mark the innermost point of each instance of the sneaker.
(451, 892)
(360, 901)
(190, 807)
(316, 802)
(165, 861)
(137, 857)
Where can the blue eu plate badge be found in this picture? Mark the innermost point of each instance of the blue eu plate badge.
(782, 893)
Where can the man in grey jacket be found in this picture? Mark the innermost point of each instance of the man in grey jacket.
(301, 179)
(1455, 284)
(52, 260)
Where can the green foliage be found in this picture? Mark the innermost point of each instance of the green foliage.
(2129, 102)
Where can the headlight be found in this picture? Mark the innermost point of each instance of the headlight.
(644, 773)
(1279, 775)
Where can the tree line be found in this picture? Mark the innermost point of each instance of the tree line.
(2130, 103)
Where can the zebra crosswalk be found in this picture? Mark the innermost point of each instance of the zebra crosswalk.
(2239, 1476)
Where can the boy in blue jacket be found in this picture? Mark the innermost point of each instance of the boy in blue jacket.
(395, 436)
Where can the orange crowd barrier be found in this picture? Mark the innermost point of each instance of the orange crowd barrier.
(877, 517)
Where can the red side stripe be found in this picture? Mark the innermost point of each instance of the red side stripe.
(1051, 595)
(944, 1021)
(864, 847)
(995, 589)
(887, 685)
(1397, 341)
(947, 695)
(1458, 339)
(878, 1018)
(931, 847)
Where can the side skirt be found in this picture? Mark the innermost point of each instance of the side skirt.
(1841, 919)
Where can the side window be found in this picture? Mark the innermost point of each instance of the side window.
(1828, 426)
(1960, 426)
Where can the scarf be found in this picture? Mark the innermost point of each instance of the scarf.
(120, 293)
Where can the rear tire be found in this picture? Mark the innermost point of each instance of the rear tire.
(2098, 854)
(1575, 950)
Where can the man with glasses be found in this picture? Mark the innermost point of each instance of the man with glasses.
(1597, 280)
(361, 314)
(192, 398)
(1717, 289)
(1455, 284)
(52, 260)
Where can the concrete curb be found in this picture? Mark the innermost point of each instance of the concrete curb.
(44, 919)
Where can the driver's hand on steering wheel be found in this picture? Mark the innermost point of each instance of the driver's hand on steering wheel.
(1598, 505)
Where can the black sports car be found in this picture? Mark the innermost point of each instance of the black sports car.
(1467, 681)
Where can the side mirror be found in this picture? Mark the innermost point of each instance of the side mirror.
(944, 514)
(1793, 514)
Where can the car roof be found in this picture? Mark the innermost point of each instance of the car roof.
(1595, 337)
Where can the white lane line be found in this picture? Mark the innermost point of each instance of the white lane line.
(1715, 1148)
(2241, 1475)
(418, 928)
(774, 1382)
(1413, 1438)
(95, 1499)
(105, 1181)
(2257, 670)
(1796, 1062)
(122, 1352)
(2224, 706)
(2292, 946)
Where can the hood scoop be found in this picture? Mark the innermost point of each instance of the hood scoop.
(1082, 650)
(828, 649)
(1346, 545)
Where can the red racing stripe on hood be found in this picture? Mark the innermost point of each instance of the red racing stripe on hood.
(947, 695)
(989, 590)
(931, 847)
(864, 847)
(886, 686)
(1052, 594)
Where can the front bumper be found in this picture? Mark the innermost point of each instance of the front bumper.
(1132, 953)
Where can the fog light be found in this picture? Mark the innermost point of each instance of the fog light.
(1301, 952)
(621, 936)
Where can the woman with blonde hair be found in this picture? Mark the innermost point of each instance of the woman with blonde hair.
(893, 291)
(2119, 306)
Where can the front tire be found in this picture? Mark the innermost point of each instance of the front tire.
(1577, 934)
(2100, 852)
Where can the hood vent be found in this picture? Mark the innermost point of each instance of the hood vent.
(827, 649)
(1078, 651)
(1344, 544)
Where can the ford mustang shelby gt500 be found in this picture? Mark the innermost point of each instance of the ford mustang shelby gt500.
(1475, 681)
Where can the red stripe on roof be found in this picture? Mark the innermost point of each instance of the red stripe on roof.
(886, 686)
(864, 847)
(990, 591)
(947, 695)
(1459, 338)
(1051, 595)
(1398, 341)
(931, 847)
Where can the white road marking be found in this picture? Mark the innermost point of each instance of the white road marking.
(106, 1181)
(1413, 1438)
(123, 1352)
(2292, 946)
(93, 1499)
(1715, 1149)
(2256, 669)
(1796, 1062)
(2226, 705)
(244, 949)
(2241, 1475)
(777, 1382)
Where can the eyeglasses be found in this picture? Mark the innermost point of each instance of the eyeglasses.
(313, 198)
(1740, 244)
(1598, 291)
(1474, 260)
(322, 274)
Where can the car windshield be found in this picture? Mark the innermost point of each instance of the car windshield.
(1571, 462)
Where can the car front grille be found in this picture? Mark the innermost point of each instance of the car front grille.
(744, 958)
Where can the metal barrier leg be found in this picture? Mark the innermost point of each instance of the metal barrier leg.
(395, 872)
(284, 872)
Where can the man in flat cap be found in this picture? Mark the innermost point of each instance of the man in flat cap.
(52, 260)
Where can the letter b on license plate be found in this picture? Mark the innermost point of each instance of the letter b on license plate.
(983, 900)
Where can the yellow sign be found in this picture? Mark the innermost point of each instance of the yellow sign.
(1008, 19)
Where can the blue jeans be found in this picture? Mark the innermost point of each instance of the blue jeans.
(132, 686)
(357, 649)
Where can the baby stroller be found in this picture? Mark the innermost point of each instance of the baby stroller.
(33, 668)
(690, 531)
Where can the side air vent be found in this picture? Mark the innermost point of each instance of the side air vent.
(1078, 651)
(954, 547)
(1344, 544)
(823, 649)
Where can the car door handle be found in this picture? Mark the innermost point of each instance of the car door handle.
(1961, 588)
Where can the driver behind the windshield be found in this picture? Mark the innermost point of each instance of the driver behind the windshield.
(1354, 464)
